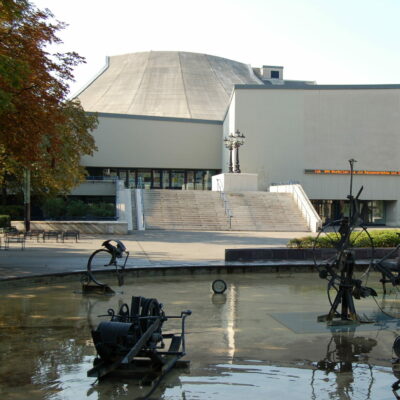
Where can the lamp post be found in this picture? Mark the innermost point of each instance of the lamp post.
(229, 144)
(27, 199)
(233, 142)
(239, 141)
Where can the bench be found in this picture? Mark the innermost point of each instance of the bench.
(12, 237)
(34, 233)
(52, 235)
(70, 234)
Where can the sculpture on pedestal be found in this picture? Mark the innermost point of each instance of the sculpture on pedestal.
(232, 143)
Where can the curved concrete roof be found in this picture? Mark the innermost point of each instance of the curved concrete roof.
(167, 84)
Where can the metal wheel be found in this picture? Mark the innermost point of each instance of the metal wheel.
(150, 308)
(219, 286)
(97, 261)
(330, 245)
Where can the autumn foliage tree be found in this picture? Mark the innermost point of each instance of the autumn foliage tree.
(40, 129)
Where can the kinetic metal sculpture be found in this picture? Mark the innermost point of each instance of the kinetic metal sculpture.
(104, 258)
(131, 341)
(339, 267)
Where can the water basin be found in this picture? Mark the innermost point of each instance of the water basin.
(258, 340)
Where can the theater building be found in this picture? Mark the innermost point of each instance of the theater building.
(163, 117)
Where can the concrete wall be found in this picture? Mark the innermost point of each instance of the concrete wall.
(290, 130)
(229, 126)
(90, 227)
(95, 188)
(155, 143)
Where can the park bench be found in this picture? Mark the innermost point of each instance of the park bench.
(70, 234)
(52, 235)
(34, 233)
(14, 236)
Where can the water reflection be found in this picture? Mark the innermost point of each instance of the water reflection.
(227, 304)
(260, 381)
(237, 350)
(345, 352)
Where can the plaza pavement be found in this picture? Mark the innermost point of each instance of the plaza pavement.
(153, 248)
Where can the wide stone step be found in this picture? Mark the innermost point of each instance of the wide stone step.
(204, 210)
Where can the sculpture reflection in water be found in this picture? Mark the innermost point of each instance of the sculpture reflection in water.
(396, 367)
(346, 352)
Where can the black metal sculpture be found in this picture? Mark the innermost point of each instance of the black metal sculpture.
(108, 256)
(131, 341)
(339, 267)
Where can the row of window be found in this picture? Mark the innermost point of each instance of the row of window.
(157, 178)
(372, 212)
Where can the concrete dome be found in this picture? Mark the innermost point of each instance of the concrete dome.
(166, 84)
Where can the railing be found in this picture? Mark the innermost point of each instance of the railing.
(141, 226)
(102, 178)
(227, 209)
(314, 221)
(123, 203)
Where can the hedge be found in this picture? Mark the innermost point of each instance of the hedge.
(380, 238)
(59, 208)
(4, 221)
(14, 211)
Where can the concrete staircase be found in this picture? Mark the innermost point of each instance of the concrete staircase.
(264, 211)
(203, 210)
(184, 209)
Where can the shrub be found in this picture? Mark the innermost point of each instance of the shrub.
(15, 212)
(54, 207)
(59, 208)
(106, 210)
(301, 243)
(385, 238)
(380, 238)
(4, 221)
(76, 208)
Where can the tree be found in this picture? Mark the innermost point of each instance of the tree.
(40, 129)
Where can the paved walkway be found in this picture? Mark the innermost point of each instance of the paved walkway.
(147, 249)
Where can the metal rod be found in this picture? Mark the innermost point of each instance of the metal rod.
(351, 208)
(351, 161)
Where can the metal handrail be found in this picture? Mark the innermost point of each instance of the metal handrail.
(303, 203)
(227, 209)
(141, 200)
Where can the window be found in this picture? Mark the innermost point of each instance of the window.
(275, 74)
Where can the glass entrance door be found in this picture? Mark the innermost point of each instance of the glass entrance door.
(177, 179)
(144, 179)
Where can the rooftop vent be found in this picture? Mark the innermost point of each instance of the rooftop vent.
(274, 74)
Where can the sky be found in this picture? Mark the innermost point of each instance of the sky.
(327, 41)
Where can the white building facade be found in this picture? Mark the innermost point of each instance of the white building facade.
(295, 131)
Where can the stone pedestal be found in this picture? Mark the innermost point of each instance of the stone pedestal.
(231, 182)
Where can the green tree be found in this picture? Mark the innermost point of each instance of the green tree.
(40, 129)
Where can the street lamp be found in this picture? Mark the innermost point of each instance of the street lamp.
(239, 141)
(233, 142)
(27, 199)
(228, 142)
